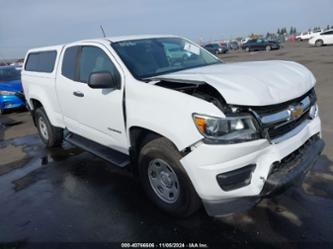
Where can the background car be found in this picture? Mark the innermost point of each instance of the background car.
(308, 35)
(323, 38)
(11, 91)
(216, 48)
(233, 45)
(260, 44)
(303, 36)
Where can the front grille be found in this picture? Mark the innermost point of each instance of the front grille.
(274, 132)
(278, 128)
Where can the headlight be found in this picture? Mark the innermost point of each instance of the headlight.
(233, 129)
(7, 93)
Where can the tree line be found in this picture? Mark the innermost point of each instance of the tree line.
(293, 30)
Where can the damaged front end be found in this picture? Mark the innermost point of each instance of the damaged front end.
(198, 89)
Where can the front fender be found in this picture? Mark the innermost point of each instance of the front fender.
(166, 112)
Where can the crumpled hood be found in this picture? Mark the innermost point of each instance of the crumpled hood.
(253, 83)
(13, 85)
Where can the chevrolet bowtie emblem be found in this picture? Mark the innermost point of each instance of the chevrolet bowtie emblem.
(295, 111)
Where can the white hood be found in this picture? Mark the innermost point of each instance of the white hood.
(253, 83)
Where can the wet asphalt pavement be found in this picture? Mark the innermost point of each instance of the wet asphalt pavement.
(67, 195)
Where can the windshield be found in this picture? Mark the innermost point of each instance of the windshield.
(151, 57)
(9, 73)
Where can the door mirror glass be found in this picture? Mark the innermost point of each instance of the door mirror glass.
(101, 80)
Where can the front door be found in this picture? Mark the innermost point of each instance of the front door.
(99, 112)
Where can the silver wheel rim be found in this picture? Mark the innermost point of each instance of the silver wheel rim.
(163, 180)
(43, 128)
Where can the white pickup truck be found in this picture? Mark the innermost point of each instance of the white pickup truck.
(193, 129)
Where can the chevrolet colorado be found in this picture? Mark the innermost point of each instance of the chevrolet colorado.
(193, 129)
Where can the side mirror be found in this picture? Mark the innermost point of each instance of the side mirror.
(101, 80)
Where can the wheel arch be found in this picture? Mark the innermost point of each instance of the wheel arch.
(138, 137)
(34, 104)
(37, 101)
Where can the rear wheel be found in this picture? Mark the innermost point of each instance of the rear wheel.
(319, 43)
(164, 179)
(50, 135)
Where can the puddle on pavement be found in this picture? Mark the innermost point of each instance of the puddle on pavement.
(12, 157)
(6, 168)
(29, 179)
(50, 156)
(10, 124)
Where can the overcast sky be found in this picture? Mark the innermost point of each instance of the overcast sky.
(26, 24)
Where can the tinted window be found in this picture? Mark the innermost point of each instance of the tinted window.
(9, 73)
(93, 60)
(69, 62)
(327, 33)
(41, 61)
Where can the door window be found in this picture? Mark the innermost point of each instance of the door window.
(92, 60)
(68, 68)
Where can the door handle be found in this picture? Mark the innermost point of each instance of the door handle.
(78, 94)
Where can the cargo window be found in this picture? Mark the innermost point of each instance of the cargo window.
(41, 61)
(69, 62)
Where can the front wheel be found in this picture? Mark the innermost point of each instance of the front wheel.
(165, 180)
(51, 136)
(247, 49)
(268, 48)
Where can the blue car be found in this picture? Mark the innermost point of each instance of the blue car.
(11, 91)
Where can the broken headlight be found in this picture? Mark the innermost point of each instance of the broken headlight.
(232, 129)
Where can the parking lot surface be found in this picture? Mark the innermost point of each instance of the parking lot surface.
(67, 195)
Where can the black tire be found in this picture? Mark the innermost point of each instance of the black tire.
(319, 43)
(187, 201)
(54, 136)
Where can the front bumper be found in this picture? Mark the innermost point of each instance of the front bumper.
(11, 101)
(292, 170)
(205, 162)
